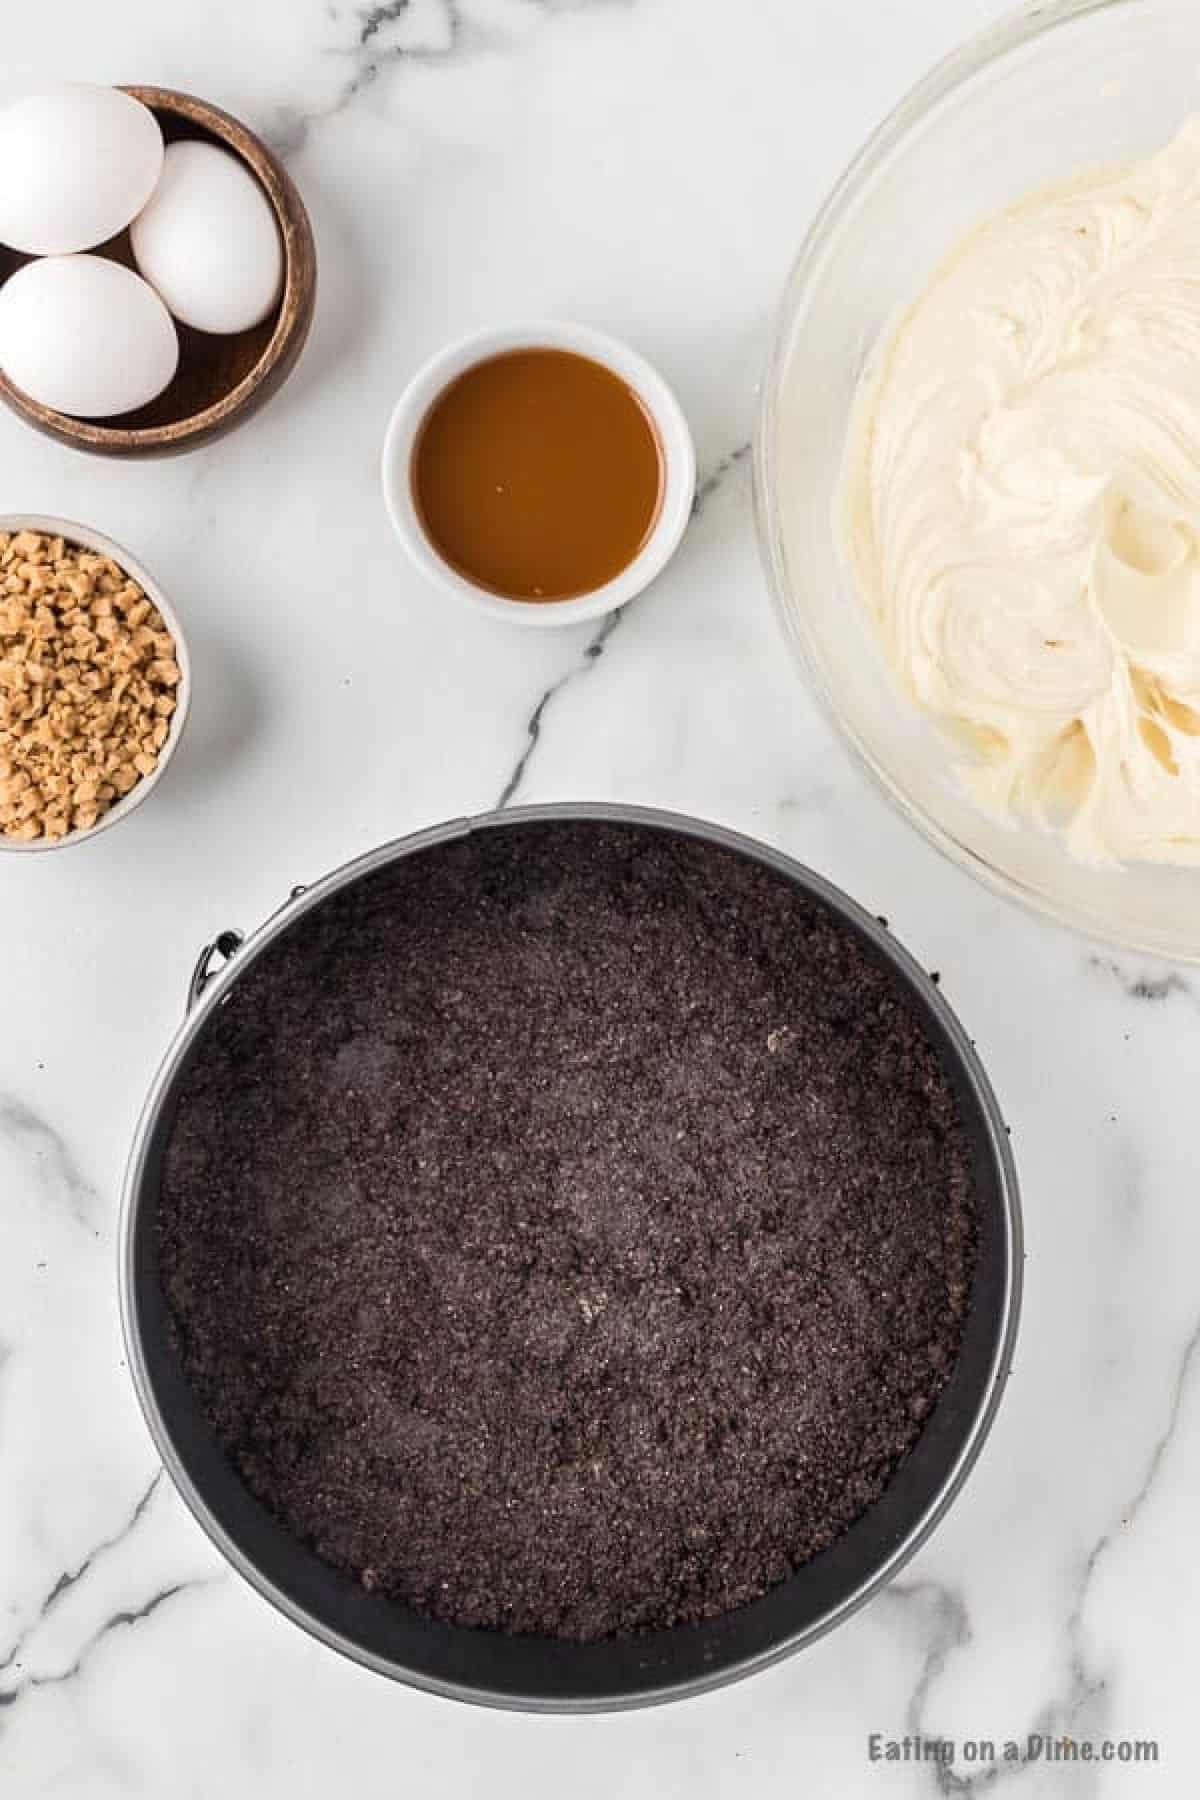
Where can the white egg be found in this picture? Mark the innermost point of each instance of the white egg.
(76, 163)
(208, 241)
(85, 336)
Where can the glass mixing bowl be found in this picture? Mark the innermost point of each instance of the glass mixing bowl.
(1058, 87)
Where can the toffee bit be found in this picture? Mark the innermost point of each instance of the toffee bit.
(85, 699)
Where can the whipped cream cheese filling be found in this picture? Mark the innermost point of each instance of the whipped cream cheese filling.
(1020, 507)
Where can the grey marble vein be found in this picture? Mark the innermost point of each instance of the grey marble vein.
(1146, 987)
(1083, 1708)
(948, 1629)
(593, 651)
(717, 476)
(115, 1622)
(1179, 1389)
(36, 1136)
(373, 50)
(380, 44)
(70, 1578)
(459, 28)
(951, 1630)
(376, 17)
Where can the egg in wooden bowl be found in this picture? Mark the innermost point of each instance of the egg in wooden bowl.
(203, 370)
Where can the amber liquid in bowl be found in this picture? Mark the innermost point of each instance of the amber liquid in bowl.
(538, 474)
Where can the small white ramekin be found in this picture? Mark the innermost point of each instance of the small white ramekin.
(678, 452)
(103, 546)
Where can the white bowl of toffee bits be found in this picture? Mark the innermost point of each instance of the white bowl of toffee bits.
(94, 683)
(541, 473)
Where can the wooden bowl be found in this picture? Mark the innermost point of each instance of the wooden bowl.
(221, 380)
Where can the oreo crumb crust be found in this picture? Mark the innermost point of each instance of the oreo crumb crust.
(568, 1229)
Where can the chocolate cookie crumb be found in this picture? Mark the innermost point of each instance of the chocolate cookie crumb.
(567, 1230)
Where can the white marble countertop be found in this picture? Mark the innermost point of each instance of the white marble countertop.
(649, 167)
